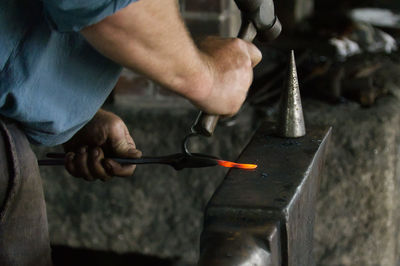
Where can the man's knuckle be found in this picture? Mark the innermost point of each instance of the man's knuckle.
(117, 123)
(237, 43)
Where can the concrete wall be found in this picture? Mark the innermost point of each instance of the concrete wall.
(357, 219)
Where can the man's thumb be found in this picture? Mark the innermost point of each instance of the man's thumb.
(127, 150)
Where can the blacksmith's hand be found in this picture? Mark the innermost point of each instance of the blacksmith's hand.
(230, 62)
(89, 151)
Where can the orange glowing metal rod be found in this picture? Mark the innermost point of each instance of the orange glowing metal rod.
(237, 165)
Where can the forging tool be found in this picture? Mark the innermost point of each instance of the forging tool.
(178, 161)
(258, 20)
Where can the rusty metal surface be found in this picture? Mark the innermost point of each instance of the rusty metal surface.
(268, 211)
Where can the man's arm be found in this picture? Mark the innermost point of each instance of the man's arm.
(149, 37)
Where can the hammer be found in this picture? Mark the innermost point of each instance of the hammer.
(258, 20)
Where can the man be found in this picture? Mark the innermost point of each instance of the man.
(59, 59)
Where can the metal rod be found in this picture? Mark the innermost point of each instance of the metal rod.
(59, 159)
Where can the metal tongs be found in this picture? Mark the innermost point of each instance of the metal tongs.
(178, 161)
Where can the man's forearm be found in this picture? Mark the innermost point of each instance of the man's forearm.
(150, 37)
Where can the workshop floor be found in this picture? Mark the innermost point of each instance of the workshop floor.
(66, 256)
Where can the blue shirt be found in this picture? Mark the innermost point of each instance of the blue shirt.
(51, 80)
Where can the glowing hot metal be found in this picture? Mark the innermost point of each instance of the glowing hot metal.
(237, 165)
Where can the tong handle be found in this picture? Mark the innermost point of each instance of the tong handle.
(178, 161)
(59, 159)
(205, 124)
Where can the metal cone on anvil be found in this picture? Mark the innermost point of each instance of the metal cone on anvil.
(291, 119)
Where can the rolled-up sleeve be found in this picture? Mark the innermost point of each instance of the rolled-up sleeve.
(73, 15)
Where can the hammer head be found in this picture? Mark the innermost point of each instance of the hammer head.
(262, 14)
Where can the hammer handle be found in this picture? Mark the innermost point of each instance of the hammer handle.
(205, 123)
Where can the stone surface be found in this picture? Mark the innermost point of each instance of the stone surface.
(158, 211)
(357, 210)
(357, 219)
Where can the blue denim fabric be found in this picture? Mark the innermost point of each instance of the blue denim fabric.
(51, 80)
